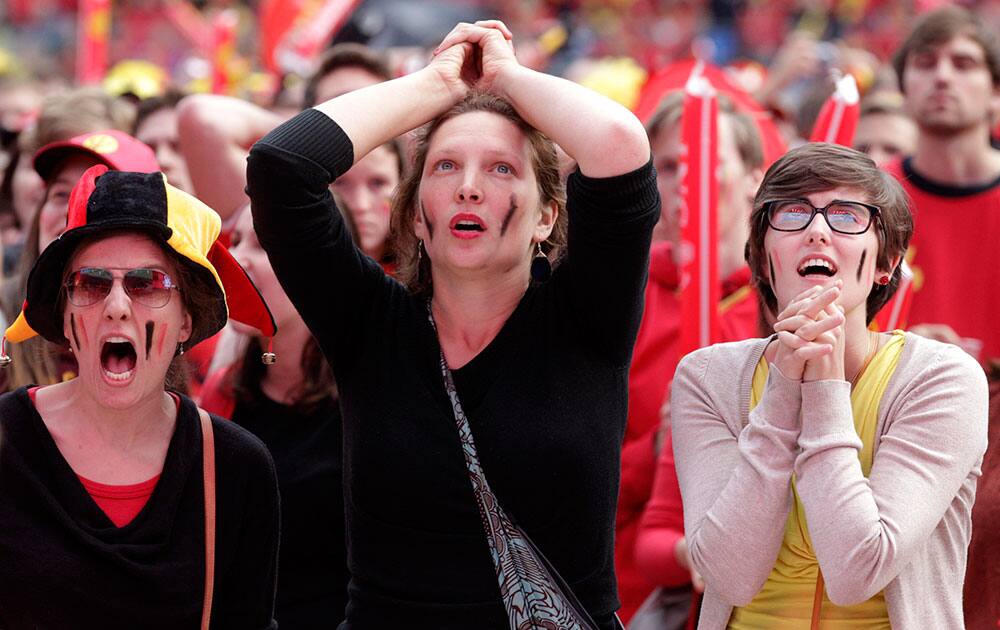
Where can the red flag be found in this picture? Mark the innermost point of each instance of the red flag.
(93, 29)
(896, 311)
(674, 77)
(699, 225)
(275, 18)
(838, 119)
(316, 26)
(223, 50)
(189, 21)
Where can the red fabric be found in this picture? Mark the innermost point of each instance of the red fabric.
(954, 272)
(699, 222)
(674, 76)
(653, 362)
(217, 394)
(662, 524)
(199, 358)
(982, 575)
(121, 503)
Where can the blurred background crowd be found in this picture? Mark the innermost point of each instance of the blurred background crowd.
(69, 68)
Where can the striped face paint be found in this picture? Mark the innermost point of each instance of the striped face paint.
(770, 267)
(510, 214)
(150, 327)
(861, 265)
(162, 339)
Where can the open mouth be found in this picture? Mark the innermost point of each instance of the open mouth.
(466, 222)
(817, 267)
(118, 358)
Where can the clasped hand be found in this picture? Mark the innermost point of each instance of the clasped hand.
(474, 56)
(811, 336)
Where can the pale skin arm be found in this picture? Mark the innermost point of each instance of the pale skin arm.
(375, 114)
(216, 133)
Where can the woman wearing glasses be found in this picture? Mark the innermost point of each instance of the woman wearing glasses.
(540, 368)
(828, 472)
(107, 513)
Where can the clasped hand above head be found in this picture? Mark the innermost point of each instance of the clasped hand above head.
(475, 56)
(811, 335)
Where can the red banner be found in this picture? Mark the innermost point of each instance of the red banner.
(838, 120)
(93, 31)
(223, 50)
(315, 27)
(896, 311)
(699, 259)
(189, 21)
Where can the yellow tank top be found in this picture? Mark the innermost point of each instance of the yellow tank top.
(786, 600)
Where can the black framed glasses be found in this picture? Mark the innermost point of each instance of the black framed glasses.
(845, 217)
(90, 285)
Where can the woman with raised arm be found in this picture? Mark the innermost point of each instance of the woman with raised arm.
(828, 472)
(537, 368)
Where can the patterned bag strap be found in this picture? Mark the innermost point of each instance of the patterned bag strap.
(531, 594)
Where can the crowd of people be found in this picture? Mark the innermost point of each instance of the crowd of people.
(404, 349)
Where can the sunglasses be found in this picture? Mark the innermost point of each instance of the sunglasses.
(846, 217)
(90, 285)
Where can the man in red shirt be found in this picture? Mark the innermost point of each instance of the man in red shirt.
(949, 71)
(656, 353)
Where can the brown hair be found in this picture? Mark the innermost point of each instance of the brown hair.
(745, 133)
(414, 269)
(317, 384)
(817, 167)
(941, 26)
(345, 55)
(78, 111)
(149, 106)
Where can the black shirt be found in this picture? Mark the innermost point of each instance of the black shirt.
(546, 399)
(312, 566)
(64, 564)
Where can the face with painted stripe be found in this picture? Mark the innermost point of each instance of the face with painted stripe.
(123, 346)
(479, 206)
(817, 255)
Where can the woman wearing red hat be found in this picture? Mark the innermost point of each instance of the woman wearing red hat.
(121, 503)
(482, 391)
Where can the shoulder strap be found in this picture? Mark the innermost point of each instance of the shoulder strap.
(208, 474)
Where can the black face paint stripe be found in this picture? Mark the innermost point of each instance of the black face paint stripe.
(72, 325)
(510, 215)
(427, 222)
(861, 264)
(150, 327)
(770, 268)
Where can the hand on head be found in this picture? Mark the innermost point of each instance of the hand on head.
(811, 335)
(474, 56)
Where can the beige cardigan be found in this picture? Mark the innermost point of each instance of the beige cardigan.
(905, 529)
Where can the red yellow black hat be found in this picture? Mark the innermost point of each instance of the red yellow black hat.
(106, 201)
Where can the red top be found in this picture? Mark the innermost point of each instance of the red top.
(122, 503)
(954, 282)
(653, 363)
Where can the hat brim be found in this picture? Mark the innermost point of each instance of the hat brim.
(43, 308)
(52, 155)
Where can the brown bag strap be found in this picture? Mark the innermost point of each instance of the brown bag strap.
(208, 474)
(817, 600)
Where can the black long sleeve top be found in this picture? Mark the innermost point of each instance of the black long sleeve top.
(546, 399)
(64, 564)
